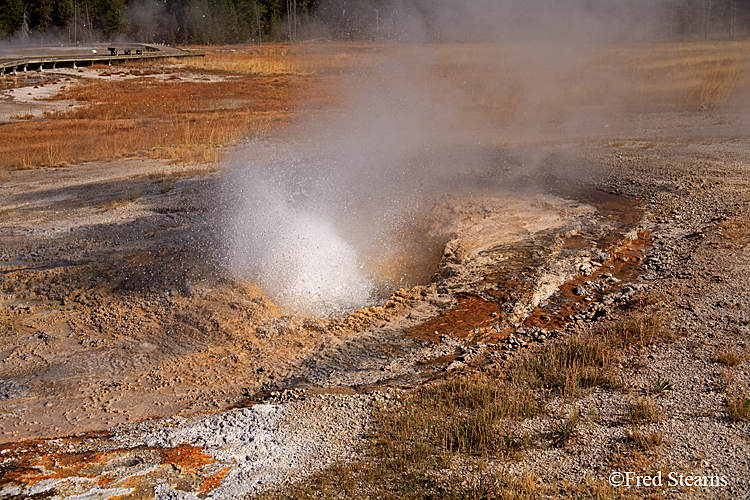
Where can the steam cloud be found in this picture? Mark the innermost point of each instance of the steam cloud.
(315, 221)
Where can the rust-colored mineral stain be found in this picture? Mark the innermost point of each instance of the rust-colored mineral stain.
(625, 265)
(186, 458)
(470, 313)
(214, 481)
(32, 462)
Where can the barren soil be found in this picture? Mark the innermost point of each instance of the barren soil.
(116, 309)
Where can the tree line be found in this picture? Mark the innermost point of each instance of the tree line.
(258, 21)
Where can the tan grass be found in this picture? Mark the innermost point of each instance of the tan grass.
(185, 121)
(27, 116)
(123, 122)
(124, 200)
(728, 358)
(575, 364)
(687, 75)
(642, 410)
(329, 59)
(424, 447)
(463, 419)
(486, 85)
(735, 233)
(646, 441)
(738, 407)
(639, 330)
(571, 366)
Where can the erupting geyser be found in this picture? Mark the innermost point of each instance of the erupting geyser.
(294, 252)
(313, 243)
(315, 223)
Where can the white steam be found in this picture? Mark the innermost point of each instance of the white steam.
(318, 226)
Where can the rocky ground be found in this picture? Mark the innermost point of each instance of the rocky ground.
(697, 216)
(132, 361)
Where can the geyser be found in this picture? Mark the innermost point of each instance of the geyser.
(319, 223)
(313, 243)
(291, 248)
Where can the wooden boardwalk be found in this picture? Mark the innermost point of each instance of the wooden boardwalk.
(14, 60)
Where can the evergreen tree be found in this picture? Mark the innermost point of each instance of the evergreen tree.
(11, 17)
(242, 21)
(62, 12)
(114, 23)
(41, 14)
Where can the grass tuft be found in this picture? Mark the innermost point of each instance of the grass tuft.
(126, 198)
(646, 441)
(642, 411)
(729, 359)
(571, 366)
(422, 447)
(27, 116)
(640, 330)
(416, 444)
(738, 407)
(563, 432)
(470, 416)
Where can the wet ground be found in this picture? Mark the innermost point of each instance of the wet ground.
(116, 306)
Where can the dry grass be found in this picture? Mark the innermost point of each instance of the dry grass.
(571, 366)
(735, 233)
(690, 74)
(167, 181)
(646, 441)
(737, 398)
(642, 410)
(465, 420)
(240, 62)
(728, 358)
(512, 84)
(441, 440)
(328, 59)
(575, 364)
(640, 330)
(127, 198)
(738, 407)
(465, 416)
(176, 118)
(259, 88)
